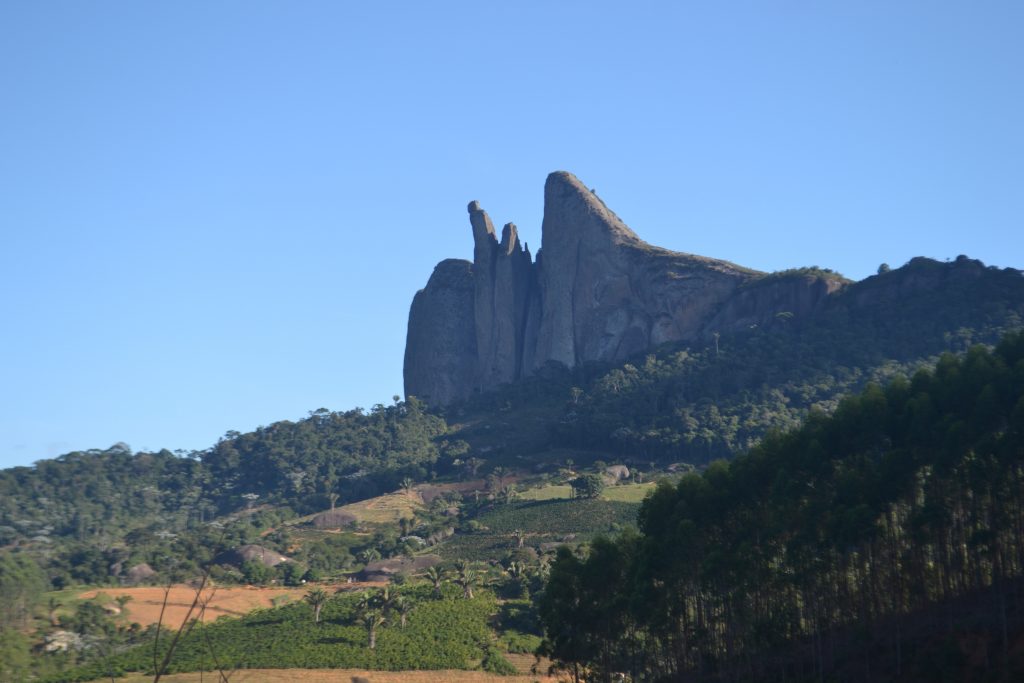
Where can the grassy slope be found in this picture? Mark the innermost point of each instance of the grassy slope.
(628, 493)
(543, 521)
(385, 509)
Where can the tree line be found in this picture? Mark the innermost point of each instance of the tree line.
(866, 545)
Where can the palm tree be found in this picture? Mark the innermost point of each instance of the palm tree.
(517, 570)
(467, 578)
(407, 486)
(500, 473)
(387, 599)
(473, 464)
(316, 599)
(372, 620)
(403, 606)
(366, 601)
(435, 575)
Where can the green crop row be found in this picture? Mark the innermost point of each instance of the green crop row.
(445, 633)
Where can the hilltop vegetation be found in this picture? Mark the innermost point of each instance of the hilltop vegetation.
(352, 454)
(97, 513)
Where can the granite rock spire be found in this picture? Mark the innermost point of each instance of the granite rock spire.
(596, 291)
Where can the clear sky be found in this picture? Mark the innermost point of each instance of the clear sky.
(214, 215)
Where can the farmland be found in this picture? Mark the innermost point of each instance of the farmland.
(345, 676)
(541, 521)
(441, 633)
(146, 602)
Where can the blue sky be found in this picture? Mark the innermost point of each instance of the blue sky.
(214, 216)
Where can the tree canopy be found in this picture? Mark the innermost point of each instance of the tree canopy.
(820, 549)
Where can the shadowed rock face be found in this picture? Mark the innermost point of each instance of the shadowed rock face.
(595, 292)
(441, 341)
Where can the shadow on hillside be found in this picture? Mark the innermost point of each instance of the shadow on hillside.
(342, 640)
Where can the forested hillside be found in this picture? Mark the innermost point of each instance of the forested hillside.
(89, 516)
(697, 402)
(884, 542)
(353, 454)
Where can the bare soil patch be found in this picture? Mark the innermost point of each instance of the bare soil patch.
(146, 602)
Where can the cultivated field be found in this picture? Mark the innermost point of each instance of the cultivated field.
(629, 493)
(235, 601)
(343, 676)
(391, 507)
(386, 509)
(625, 493)
(543, 521)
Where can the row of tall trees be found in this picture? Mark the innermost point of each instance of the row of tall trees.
(838, 550)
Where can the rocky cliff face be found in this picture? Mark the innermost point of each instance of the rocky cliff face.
(595, 292)
(441, 343)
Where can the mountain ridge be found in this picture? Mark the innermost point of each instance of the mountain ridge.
(595, 292)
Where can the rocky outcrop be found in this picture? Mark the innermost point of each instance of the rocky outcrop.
(333, 519)
(596, 292)
(607, 294)
(139, 573)
(760, 302)
(503, 279)
(236, 557)
(385, 570)
(441, 342)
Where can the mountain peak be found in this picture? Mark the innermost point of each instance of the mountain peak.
(569, 204)
(599, 293)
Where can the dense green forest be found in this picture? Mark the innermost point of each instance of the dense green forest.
(93, 514)
(353, 454)
(883, 542)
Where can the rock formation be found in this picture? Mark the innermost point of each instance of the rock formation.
(596, 292)
(441, 343)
